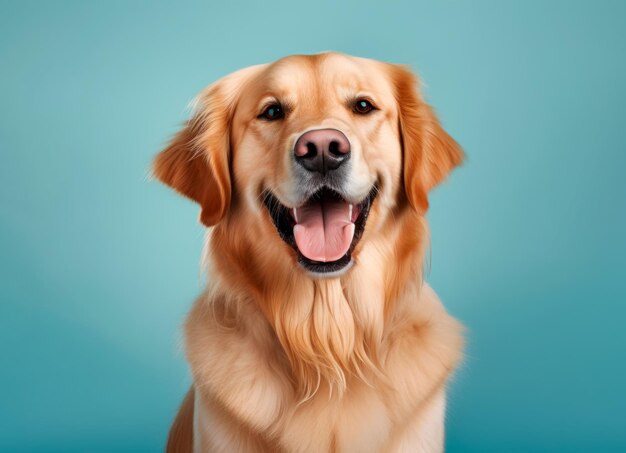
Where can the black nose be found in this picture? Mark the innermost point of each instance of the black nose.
(322, 150)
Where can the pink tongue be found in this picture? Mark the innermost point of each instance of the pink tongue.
(324, 231)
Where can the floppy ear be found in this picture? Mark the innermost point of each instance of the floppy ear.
(196, 163)
(197, 169)
(429, 153)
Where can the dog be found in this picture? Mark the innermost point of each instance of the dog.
(316, 332)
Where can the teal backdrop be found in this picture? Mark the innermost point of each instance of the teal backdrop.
(98, 264)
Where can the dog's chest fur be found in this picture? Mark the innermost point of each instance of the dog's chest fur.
(244, 385)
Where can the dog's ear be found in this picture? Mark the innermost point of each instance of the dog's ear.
(197, 169)
(429, 153)
(196, 163)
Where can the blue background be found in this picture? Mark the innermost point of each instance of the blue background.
(98, 265)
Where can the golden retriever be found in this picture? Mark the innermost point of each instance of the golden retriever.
(316, 332)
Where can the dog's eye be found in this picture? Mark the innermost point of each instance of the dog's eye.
(272, 112)
(363, 107)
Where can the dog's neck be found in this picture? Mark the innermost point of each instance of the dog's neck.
(331, 329)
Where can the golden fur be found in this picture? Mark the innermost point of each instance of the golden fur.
(281, 361)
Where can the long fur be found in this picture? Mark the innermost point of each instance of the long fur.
(285, 362)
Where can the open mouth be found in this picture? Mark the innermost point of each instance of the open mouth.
(324, 230)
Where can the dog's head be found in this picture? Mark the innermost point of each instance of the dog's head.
(324, 149)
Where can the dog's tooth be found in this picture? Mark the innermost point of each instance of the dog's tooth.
(350, 212)
(295, 214)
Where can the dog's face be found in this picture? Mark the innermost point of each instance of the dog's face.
(323, 149)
